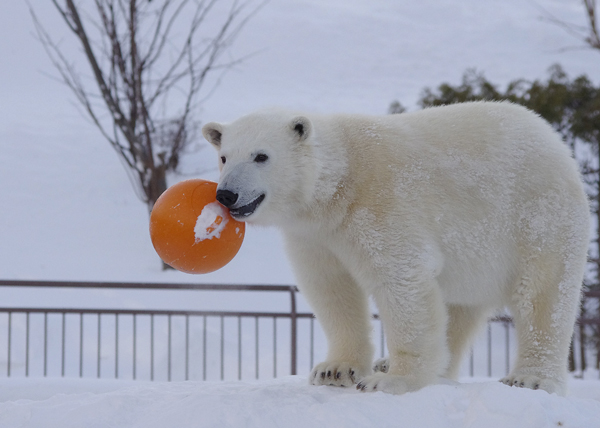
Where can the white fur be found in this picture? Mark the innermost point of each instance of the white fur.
(442, 216)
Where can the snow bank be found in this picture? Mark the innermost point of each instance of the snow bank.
(287, 402)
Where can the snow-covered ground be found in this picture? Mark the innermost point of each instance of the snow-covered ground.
(68, 212)
(288, 402)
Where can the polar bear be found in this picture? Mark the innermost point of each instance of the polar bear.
(441, 215)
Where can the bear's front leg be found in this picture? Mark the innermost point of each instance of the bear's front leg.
(342, 309)
(414, 320)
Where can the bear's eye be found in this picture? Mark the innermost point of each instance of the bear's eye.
(223, 159)
(261, 157)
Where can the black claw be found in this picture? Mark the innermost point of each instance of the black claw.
(338, 375)
(536, 386)
(322, 375)
(359, 385)
(522, 384)
(329, 373)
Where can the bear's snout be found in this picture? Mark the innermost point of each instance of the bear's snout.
(226, 197)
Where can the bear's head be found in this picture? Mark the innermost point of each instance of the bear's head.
(267, 166)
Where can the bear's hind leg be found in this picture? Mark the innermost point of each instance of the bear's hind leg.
(544, 308)
(414, 319)
(463, 324)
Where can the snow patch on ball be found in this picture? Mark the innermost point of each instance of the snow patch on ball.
(211, 222)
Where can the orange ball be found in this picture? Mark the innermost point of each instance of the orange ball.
(191, 231)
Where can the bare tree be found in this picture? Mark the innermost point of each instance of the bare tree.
(592, 38)
(149, 61)
(588, 33)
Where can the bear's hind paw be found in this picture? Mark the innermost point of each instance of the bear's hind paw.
(381, 365)
(392, 384)
(534, 382)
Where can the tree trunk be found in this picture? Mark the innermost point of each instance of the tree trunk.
(582, 341)
(157, 185)
(572, 366)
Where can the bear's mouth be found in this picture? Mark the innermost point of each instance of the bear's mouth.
(246, 210)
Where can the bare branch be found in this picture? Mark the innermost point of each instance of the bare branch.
(155, 50)
(586, 33)
(593, 38)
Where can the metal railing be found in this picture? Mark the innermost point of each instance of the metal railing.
(63, 339)
(152, 314)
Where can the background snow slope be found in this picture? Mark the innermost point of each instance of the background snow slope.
(67, 209)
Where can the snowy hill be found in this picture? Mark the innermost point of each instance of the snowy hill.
(68, 212)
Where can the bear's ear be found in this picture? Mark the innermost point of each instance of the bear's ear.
(301, 127)
(212, 132)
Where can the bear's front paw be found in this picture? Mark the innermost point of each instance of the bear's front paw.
(535, 382)
(392, 384)
(381, 365)
(336, 373)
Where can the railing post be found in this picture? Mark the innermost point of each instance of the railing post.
(294, 339)
(9, 344)
(582, 341)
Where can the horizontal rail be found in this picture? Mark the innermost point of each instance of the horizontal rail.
(105, 311)
(592, 293)
(171, 286)
(589, 321)
(147, 285)
(153, 312)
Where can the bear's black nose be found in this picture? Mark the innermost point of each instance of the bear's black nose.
(226, 198)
